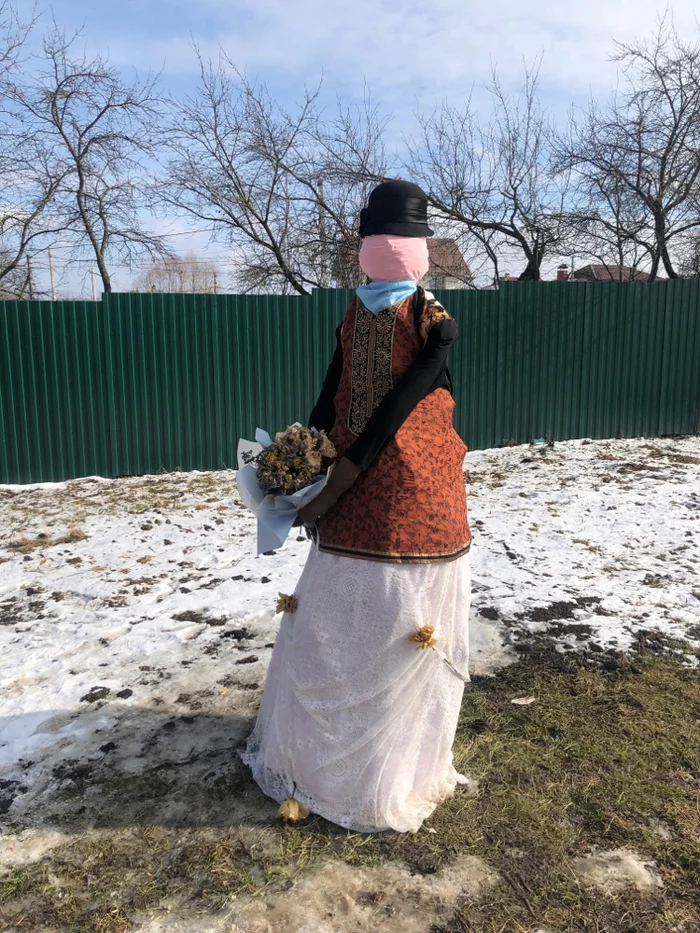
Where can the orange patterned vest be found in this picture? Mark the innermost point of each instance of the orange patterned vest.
(410, 506)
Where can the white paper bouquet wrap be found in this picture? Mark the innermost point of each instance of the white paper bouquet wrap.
(275, 514)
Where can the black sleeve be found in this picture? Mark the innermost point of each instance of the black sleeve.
(323, 415)
(426, 373)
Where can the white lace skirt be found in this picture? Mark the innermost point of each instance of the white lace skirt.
(355, 721)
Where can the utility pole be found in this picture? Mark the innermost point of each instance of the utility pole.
(322, 235)
(53, 279)
(216, 287)
(29, 279)
(92, 276)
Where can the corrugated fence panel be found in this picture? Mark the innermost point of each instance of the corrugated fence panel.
(142, 383)
(193, 373)
(53, 413)
(680, 402)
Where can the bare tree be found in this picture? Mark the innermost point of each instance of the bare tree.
(29, 175)
(229, 148)
(638, 158)
(349, 156)
(98, 131)
(689, 259)
(605, 226)
(31, 181)
(283, 188)
(172, 274)
(497, 181)
(14, 279)
(14, 32)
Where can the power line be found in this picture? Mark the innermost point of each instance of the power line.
(160, 263)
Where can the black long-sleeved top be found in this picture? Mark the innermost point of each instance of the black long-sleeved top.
(427, 373)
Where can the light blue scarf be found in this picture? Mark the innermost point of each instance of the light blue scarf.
(379, 295)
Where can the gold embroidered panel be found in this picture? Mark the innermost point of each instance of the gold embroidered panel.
(372, 363)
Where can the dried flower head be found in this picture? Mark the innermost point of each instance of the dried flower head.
(424, 637)
(292, 810)
(288, 604)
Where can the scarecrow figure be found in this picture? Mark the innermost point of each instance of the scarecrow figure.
(355, 723)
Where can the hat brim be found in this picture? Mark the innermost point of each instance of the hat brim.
(397, 228)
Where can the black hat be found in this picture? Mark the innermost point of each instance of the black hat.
(397, 207)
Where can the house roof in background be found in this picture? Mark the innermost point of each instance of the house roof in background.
(600, 272)
(446, 259)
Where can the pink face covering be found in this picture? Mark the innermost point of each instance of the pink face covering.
(390, 258)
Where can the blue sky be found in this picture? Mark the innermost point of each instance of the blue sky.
(408, 53)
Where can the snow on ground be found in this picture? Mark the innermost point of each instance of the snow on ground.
(136, 624)
(592, 542)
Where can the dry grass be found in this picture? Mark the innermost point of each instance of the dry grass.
(74, 535)
(95, 884)
(24, 544)
(595, 761)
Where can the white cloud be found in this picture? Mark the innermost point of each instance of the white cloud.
(428, 48)
(431, 47)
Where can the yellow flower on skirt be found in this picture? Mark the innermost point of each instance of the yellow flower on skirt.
(424, 637)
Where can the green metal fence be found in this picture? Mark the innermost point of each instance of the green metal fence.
(143, 383)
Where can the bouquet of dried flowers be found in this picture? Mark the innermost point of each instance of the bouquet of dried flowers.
(276, 479)
(296, 459)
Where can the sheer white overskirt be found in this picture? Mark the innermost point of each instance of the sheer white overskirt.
(354, 720)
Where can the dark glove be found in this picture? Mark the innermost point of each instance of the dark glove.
(342, 476)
